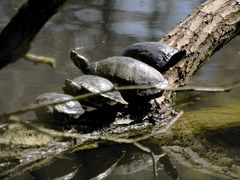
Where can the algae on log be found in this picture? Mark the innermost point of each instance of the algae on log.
(206, 140)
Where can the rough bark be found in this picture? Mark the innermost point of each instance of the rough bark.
(203, 32)
(210, 133)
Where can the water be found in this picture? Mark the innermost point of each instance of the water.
(103, 28)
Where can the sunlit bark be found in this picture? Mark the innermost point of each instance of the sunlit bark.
(203, 32)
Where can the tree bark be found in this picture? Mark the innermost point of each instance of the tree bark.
(201, 34)
(210, 133)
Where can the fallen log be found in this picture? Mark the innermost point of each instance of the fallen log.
(201, 34)
(211, 133)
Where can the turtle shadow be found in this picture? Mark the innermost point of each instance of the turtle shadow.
(107, 117)
(96, 119)
(139, 113)
(146, 112)
(113, 117)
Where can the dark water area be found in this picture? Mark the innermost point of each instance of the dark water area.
(103, 29)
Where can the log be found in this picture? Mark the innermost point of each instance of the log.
(201, 34)
(203, 140)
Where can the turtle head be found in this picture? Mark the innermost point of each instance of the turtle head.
(80, 61)
(71, 87)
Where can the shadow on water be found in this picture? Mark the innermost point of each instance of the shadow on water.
(103, 29)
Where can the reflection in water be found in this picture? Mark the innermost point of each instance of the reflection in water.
(86, 164)
(104, 28)
(113, 162)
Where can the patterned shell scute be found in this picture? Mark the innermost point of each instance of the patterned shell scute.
(127, 71)
(71, 108)
(94, 84)
(158, 55)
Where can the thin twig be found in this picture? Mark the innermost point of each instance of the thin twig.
(41, 59)
(37, 106)
(99, 137)
(122, 88)
(96, 137)
(148, 150)
(162, 130)
(154, 165)
(78, 48)
(52, 132)
(134, 140)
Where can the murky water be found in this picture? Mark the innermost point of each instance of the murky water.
(103, 28)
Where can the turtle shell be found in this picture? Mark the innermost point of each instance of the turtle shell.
(158, 55)
(94, 84)
(128, 71)
(64, 112)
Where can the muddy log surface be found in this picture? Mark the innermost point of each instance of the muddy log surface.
(25, 147)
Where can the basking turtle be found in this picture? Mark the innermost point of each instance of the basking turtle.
(158, 55)
(64, 112)
(94, 84)
(124, 71)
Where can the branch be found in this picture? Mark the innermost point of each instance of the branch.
(16, 37)
(122, 88)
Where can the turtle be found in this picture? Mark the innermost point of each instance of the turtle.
(156, 54)
(94, 84)
(125, 71)
(63, 113)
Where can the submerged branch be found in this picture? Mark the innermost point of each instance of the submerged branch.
(149, 151)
